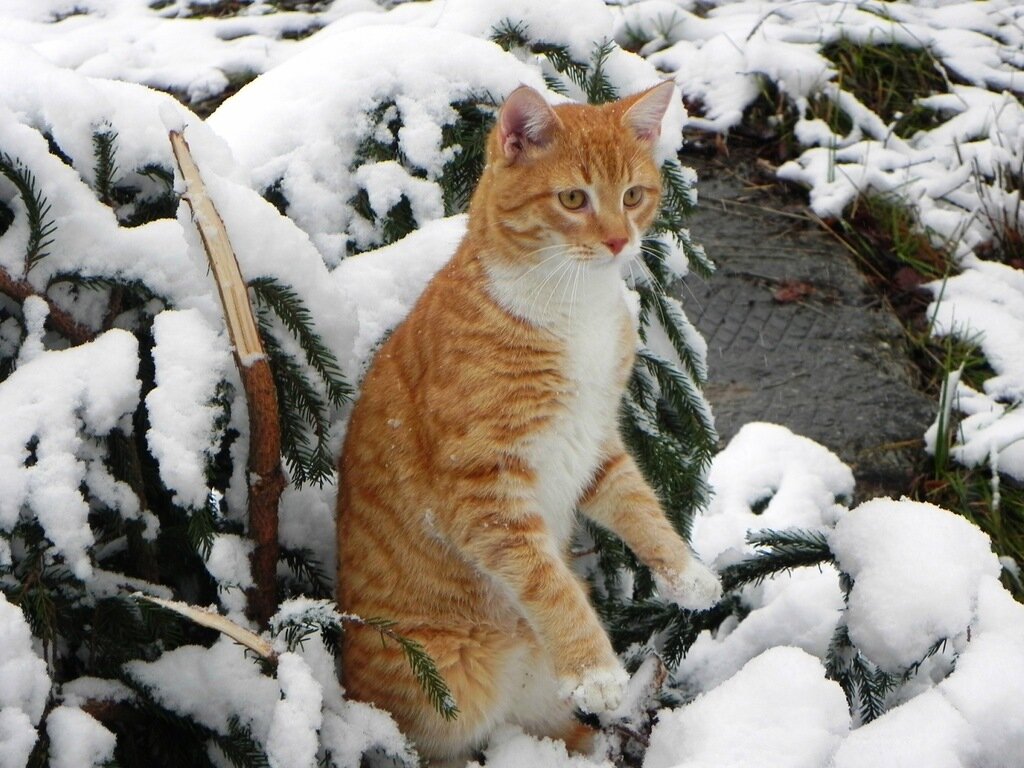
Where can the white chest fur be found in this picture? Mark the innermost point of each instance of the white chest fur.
(565, 456)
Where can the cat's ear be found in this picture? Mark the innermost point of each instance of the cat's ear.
(525, 120)
(645, 114)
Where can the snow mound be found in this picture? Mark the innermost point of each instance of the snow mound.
(778, 710)
(77, 740)
(984, 305)
(326, 90)
(55, 408)
(798, 482)
(916, 570)
(190, 359)
(511, 748)
(25, 690)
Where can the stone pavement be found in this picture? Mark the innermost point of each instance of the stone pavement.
(795, 334)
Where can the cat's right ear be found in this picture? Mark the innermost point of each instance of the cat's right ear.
(525, 121)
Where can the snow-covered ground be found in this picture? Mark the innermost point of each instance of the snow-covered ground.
(923, 601)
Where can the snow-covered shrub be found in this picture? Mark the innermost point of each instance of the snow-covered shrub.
(125, 467)
(340, 173)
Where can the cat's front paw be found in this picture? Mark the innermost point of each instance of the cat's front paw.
(597, 690)
(695, 589)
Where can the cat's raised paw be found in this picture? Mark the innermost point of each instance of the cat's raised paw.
(599, 690)
(695, 589)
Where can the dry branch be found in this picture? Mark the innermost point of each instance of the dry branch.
(211, 620)
(266, 479)
(57, 319)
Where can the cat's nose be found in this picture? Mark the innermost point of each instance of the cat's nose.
(616, 244)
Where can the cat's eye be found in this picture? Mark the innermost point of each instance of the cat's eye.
(633, 196)
(573, 199)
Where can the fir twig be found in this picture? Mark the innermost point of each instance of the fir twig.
(322, 618)
(781, 551)
(423, 667)
(104, 150)
(300, 409)
(41, 227)
(296, 317)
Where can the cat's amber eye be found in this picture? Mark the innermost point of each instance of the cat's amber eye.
(573, 199)
(633, 196)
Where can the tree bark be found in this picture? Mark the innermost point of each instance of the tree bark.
(266, 478)
(57, 319)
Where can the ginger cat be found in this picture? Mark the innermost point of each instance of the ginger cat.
(488, 419)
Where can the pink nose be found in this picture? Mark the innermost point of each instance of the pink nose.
(616, 244)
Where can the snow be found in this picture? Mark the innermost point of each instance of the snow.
(56, 406)
(799, 482)
(25, 689)
(190, 358)
(77, 740)
(916, 570)
(210, 685)
(318, 91)
(755, 690)
(511, 748)
(292, 740)
(985, 305)
(228, 563)
(788, 713)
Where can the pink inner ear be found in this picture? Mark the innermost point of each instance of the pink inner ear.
(525, 120)
(646, 114)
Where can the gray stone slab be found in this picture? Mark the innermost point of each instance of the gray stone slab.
(795, 334)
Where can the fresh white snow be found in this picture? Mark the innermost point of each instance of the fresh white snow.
(756, 689)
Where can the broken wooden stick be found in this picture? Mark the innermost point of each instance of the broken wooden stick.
(266, 479)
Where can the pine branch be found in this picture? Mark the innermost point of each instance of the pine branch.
(599, 88)
(683, 395)
(308, 569)
(41, 226)
(297, 318)
(782, 551)
(423, 667)
(675, 473)
(104, 149)
(322, 618)
(301, 408)
(674, 630)
(240, 746)
(678, 201)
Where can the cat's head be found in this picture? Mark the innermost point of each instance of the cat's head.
(579, 180)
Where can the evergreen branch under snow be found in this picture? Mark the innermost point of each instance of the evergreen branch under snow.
(41, 226)
(781, 551)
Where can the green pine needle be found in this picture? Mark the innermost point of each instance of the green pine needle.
(423, 667)
(296, 317)
(104, 150)
(42, 227)
(780, 551)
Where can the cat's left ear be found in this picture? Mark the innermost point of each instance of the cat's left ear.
(648, 109)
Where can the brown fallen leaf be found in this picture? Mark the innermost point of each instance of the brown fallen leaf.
(789, 291)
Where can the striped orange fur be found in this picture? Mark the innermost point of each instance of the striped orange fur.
(489, 418)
